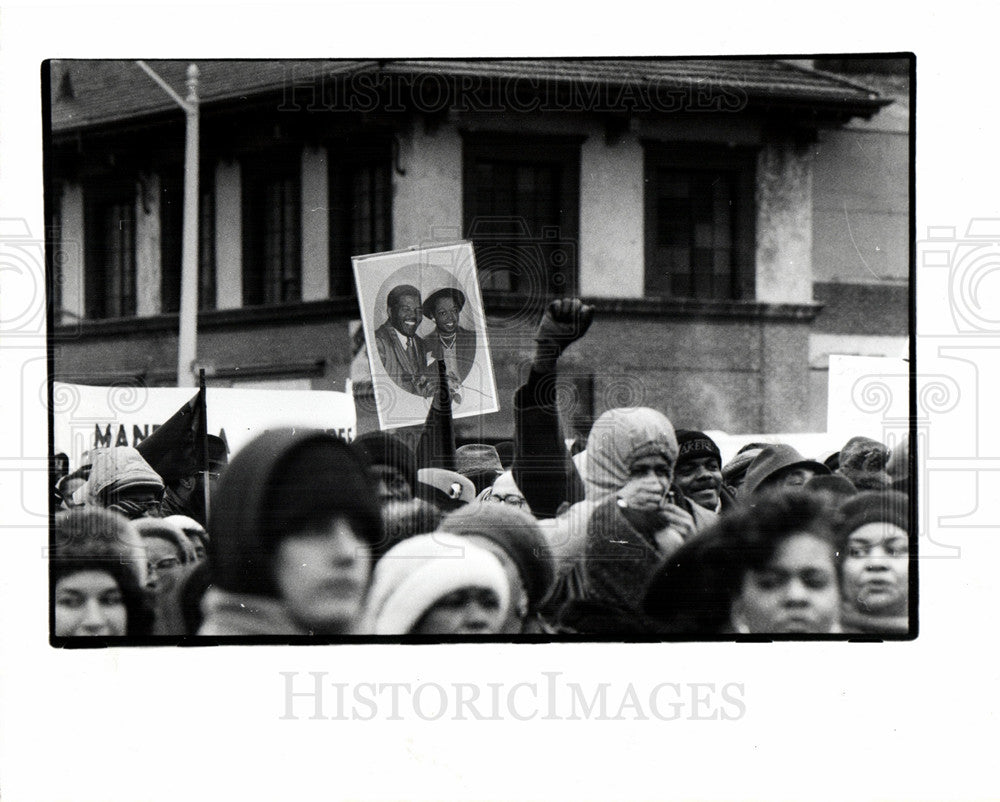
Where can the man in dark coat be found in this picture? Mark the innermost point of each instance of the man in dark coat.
(403, 353)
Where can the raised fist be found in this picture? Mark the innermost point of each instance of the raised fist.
(565, 321)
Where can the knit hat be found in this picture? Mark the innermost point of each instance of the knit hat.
(447, 489)
(619, 437)
(189, 526)
(420, 571)
(693, 444)
(518, 534)
(863, 461)
(381, 448)
(873, 506)
(93, 539)
(480, 462)
(773, 459)
(735, 470)
(278, 482)
(169, 531)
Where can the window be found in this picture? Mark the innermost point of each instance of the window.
(699, 222)
(521, 198)
(172, 242)
(110, 252)
(272, 235)
(360, 208)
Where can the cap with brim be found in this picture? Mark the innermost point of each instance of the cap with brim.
(773, 459)
(445, 292)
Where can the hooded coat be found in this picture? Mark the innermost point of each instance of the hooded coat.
(116, 469)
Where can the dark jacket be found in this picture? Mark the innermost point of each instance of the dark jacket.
(398, 363)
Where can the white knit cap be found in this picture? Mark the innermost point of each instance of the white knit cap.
(420, 571)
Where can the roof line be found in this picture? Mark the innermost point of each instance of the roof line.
(831, 76)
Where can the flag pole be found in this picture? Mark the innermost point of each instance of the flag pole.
(206, 468)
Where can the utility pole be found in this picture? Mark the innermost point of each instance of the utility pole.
(187, 336)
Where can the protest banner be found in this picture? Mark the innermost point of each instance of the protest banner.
(87, 416)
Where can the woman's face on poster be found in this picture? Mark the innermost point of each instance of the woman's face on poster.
(446, 313)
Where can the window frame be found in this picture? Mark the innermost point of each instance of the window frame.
(257, 170)
(172, 241)
(689, 156)
(100, 195)
(344, 159)
(531, 148)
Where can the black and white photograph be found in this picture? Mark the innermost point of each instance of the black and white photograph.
(421, 307)
(392, 404)
(600, 300)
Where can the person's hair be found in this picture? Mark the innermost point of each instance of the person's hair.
(694, 590)
(399, 292)
(92, 539)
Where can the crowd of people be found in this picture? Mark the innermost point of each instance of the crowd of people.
(640, 531)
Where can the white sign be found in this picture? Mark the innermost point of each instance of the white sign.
(419, 307)
(868, 396)
(85, 416)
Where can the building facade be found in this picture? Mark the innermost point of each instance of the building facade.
(733, 221)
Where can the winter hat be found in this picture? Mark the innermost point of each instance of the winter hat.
(518, 534)
(873, 506)
(480, 462)
(93, 539)
(619, 437)
(862, 461)
(770, 461)
(380, 448)
(834, 484)
(447, 489)
(734, 470)
(279, 481)
(420, 571)
(403, 519)
(189, 526)
(694, 444)
(169, 531)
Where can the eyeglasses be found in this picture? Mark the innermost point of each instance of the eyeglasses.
(164, 564)
(511, 499)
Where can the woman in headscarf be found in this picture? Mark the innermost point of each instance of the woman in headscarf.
(292, 527)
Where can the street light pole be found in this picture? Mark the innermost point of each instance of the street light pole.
(187, 335)
(187, 343)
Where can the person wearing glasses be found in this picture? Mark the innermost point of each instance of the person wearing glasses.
(505, 491)
(170, 555)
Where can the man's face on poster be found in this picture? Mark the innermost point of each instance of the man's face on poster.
(445, 314)
(404, 315)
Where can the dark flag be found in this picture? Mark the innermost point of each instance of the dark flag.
(177, 449)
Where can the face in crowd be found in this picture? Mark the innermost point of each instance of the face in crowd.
(322, 573)
(391, 484)
(876, 569)
(164, 563)
(649, 481)
(89, 603)
(446, 313)
(466, 611)
(700, 479)
(404, 314)
(795, 592)
(518, 593)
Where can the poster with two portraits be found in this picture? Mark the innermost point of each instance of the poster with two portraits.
(419, 307)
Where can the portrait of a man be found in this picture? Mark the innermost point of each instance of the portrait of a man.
(402, 351)
(450, 342)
